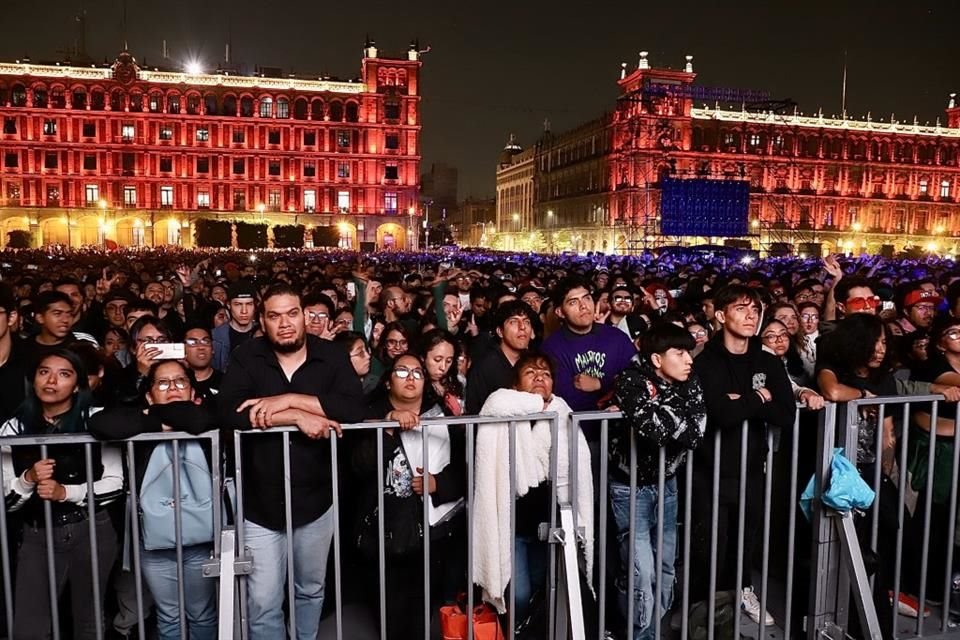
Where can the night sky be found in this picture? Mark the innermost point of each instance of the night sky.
(501, 67)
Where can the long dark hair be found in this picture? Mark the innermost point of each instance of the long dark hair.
(381, 352)
(30, 412)
(450, 381)
(851, 345)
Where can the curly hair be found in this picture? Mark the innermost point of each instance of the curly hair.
(852, 344)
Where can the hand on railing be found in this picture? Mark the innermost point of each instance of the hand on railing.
(949, 393)
(407, 419)
(40, 471)
(52, 490)
(418, 482)
(811, 399)
(316, 427)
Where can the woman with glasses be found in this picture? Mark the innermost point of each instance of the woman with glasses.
(786, 314)
(405, 483)
(58, 402)
(360, 357)
(700, 334)
(809, 314)
(776, 339)
(145, 333)
(394, 341)
(169, 404)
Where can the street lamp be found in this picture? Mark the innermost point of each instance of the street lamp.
(856, 226)
(102, 222)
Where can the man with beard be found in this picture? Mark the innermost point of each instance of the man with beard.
(288, 377)
(396, 305)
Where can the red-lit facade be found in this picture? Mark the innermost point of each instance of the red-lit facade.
(133, 155)
(840, 183)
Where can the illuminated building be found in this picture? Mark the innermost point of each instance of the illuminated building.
(136, 156)
(818, 183)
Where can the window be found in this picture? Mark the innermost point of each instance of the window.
(283, 108)
(924, 187)
(239, 200)
(392, 172)
(390, 202)
(203, 199)
(273, 168)
(309, 200)
(266, 107)
(239, 166)
(129, 196)
(945, 189)
(393, 141)
(391, 111)
(343, 200)
(49, 127)
(11, 160)
(203, 134)
(273, 136)
(203, 165)
(92, 192)
(309, 169)
(754, 139)
(128, 132)
(53, 194)
(166, 196)
(728, 138)
(238, 136)
(51, 160)
(343, 138)
(273, 200)
(129, 162)
(154, 103)
(166, 164)
(309, 138)
(166, 132)
(89, 162)
(173, 105)
(89, 129)
(343, 169)
(9, 125)
(13, 191)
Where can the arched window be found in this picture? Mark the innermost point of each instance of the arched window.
(353, 112)
(18, 96)
(58, 99)
(193, 104)
(283, 108)
(79, 99)
(246, 107)
(173, 103)
(230, 106)
(210, 106)
(136, 102)
(336, 111)
(98, 100)
(300, 109)
(116, 100)
(316, 110)
(266, 107)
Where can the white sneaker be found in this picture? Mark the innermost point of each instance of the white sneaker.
(751, 605)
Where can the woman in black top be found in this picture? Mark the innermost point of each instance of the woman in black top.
(169, 405)
(405, 483)
(58, 403)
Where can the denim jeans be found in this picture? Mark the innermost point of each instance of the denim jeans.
(266, 585)
(644, 551)
(199, 593)
(530, 573)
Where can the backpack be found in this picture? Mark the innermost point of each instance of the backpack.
(157, 511)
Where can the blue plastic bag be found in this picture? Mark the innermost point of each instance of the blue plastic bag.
(847, 489)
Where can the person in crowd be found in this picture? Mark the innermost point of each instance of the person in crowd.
(53, 314)
(776, 339)
(242, 326)
(700, 332)
(13, 357)
(288, 377)
(742, 383)
(494, 369)
(919, 309)
(396, 305)
(319, 309)
(168, 406)
(116, 345)
(57, 402)
(663, 406)
(83, 324)
(500, 553)
(440, 353)
(198, 349)
(621, 311)
(360, 357)
(395, 340)
(137, 309)
(808, 334)
(405, 484)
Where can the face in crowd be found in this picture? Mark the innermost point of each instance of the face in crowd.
(407, 378)
(516, 332)
(535, 377)
(198, 347)
(170, 384)
(740, 318)
(577, 309)
(283, 323)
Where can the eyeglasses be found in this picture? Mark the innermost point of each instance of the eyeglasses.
(776, 337)
(164, 384)
(403, 373)
(317, 316)
(396, 343)
(809, 317)
(859, 304)
(803, 297)
(702, 333)
(194, 342)
(953, 334)
(155, 340)
(622, 299)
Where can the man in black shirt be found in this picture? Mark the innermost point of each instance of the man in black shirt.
(288, 377)
(198, 348)
(494, 370)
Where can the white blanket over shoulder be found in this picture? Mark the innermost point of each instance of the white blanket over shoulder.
(493, 550)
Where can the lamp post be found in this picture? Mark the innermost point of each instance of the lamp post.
(550, 220)
(102, 223)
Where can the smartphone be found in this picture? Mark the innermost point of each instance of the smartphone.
(32, 267)
(445, 265)
(351, 290)
(170, 351)
(6, 265)
(886, 305)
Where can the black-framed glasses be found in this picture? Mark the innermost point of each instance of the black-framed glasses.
(197, 342)
(317, 316)
(776, 337)
(396, 343)
(154, 340)
(164, 384)
(404, 372)
(623, 298)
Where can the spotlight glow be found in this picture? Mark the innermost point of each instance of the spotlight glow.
(194, 67)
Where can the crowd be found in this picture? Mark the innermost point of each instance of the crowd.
(119, 344)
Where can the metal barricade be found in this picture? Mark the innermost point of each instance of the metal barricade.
(553, 532)
(126, 449)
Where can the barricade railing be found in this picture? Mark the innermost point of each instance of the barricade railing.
(47, 446)
(723, 541)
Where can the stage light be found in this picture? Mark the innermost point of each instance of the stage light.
(746, 260)
(253, 257)
(194, 67)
